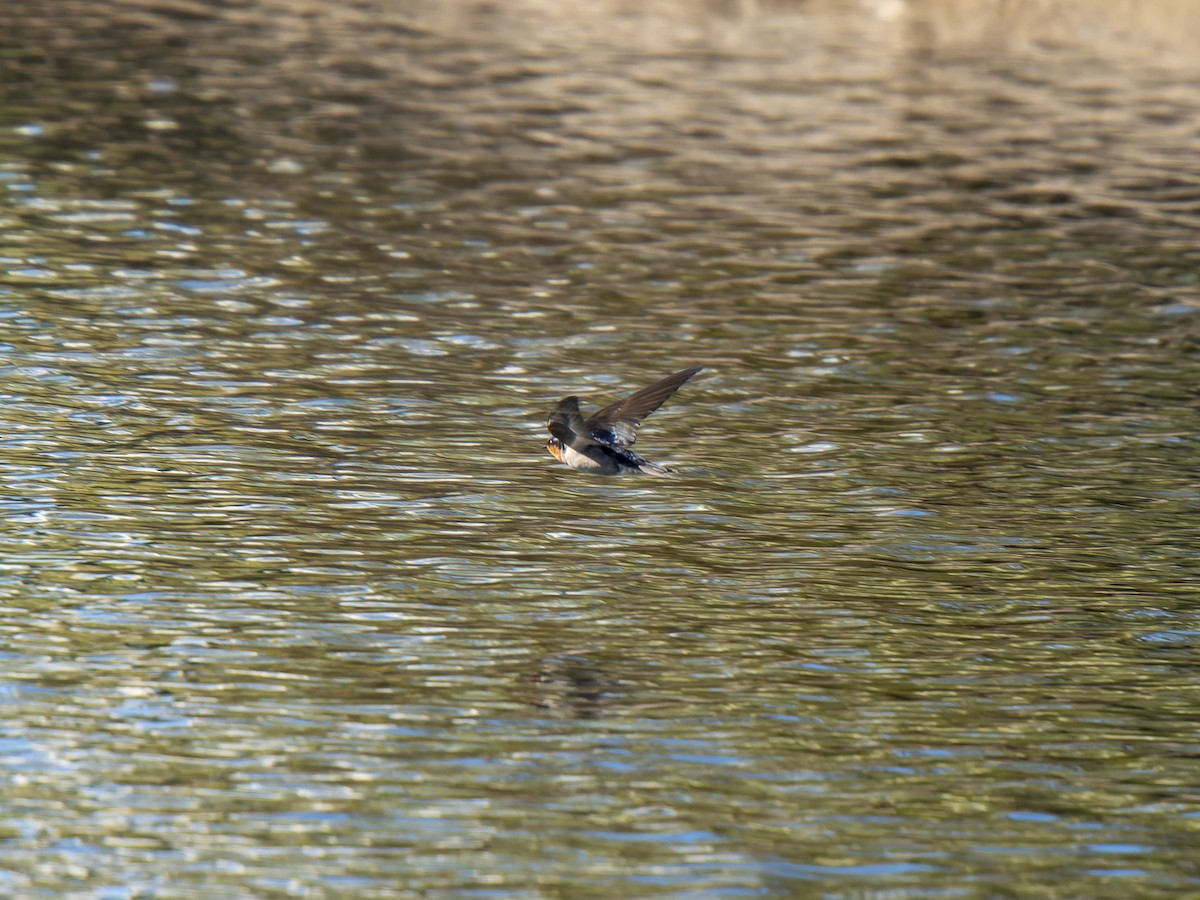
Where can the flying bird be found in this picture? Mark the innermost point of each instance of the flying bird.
(601, 443)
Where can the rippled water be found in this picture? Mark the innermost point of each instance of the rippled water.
(296, 604)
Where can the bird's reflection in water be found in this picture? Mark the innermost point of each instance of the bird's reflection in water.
(571, 687)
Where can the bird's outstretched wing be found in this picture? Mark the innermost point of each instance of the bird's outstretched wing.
(567, 424)
(618, 423)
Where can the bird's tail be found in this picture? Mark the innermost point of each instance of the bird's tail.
(652, 468)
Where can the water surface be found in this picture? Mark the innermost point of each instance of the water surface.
(297, 605)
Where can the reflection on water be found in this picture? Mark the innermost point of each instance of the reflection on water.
(297, 605)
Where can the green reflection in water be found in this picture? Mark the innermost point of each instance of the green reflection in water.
(297, 605)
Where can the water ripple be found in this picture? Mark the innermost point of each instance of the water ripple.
(291, 581)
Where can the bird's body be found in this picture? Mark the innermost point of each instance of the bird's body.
(601, 443)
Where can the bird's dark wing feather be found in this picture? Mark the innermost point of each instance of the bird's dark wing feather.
(618, 423)
(567, 424)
